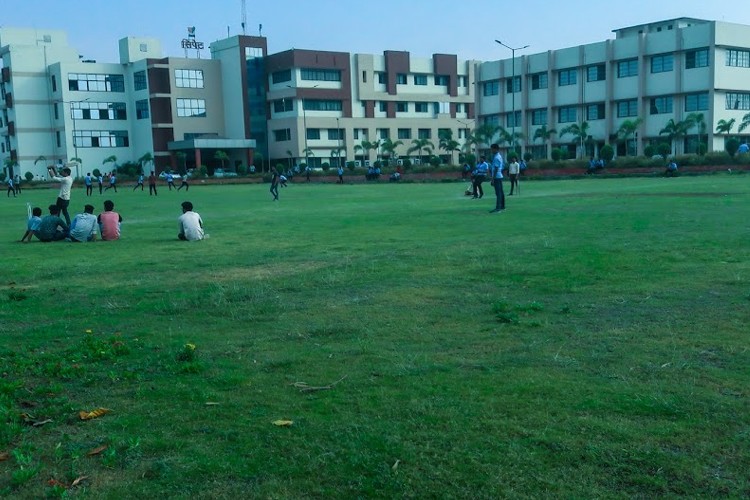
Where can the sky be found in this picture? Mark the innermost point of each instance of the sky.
(422, 27)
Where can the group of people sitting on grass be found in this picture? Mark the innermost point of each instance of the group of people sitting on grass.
(595, 165)
(85, 226)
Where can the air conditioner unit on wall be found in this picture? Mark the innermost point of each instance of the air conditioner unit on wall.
(357, 163)
(399, 162)
(417, 161)
(367, 163)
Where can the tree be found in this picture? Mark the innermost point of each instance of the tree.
(732, 145)
(10, 163)
(389, 146)
(40, 158)
(745, 123)
(182, 158)
(607, 153)
(627, 129)
(725, 126)
(675, 130)
(697, 120)
(291, 157)
(110, 159)
(485, 133)
(145, 160)
(364, 147)
(421, 145)
(580, 133)
(222, 156)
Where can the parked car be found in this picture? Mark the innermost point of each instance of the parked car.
(163, 175)
(220, 172)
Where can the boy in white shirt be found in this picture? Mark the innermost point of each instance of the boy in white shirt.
(191, 224)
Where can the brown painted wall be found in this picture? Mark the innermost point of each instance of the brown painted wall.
(161, 110)
(161, 137)
(158, 78)
(447, 64)
(369, 109)
(395, 62)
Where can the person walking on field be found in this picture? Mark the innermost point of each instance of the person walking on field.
(88, 181)
(152, 184)
(63, 197)
(513, 170)
(112, 182)
(275, 184)
(100, 181)
(480, 175)
(170, 181)
(139, 183)
(11, 189)
(497, 179)
(185, 183)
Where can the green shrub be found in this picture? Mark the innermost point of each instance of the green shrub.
(732, 146)
(2, 176)
(664, 149)
(435, 161)
(29, 176)
(607, 153)
(203, 171)
(407, 163)
(528, 156)
(557, 154)
(649, 151)
(325, 166)
(242, 170)
(351, 165)
(96, 172)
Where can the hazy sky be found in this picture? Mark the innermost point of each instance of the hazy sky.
(423, 27)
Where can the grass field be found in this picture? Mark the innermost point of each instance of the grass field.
(591, 341)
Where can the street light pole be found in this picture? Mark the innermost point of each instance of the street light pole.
(513, 81)
(304, 125)
(338, 135)
(466, 124)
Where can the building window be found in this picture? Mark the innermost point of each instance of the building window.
(595, 112)
(738, 58)
(283, 105)
(567, 114)
(320, 75)
(195, 108)
(539, 81)
(539, 117)
(424, 133)
(627, 108)
(382, 77)
(84, 110)
(627, 68)
(313, 134)
(421, 107)
(404, 133)
(493, 120)
(696, 102)
(566, 77)
(442, 80)
(696, 58)
(101, 139)
(383, 107)
(57, 114)
(661, 105)
(735, 100)
(57, 139)
(139, 80)
(141, 109)
(596, 73)
(401, 78)
(662, 63)
(420, 79)
(282, 76)
(513, 85)
(54, 83)
(282, 135)
(491, 88)
(384, 133)
(188, 78)
(335, 134)
(513, 119)
(92, 82)
(364, 77)
(321, 105)
(463, 81)
(402, 107)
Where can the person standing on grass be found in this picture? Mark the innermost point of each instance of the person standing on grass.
(17, 183)
(88, 181)
(83, 228)
(139, 183)
(275, 183)
(184, 183)
(11, 188)
(514, 168)
(170, 181)
(52, 227)
(109, 222)
(340, 172)
(497, 178)
(152, 184)
(32, 226)
(100, 181)
(112, 182)
(63, 197)
(191, 224)
(480, 175)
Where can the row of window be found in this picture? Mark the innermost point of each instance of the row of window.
(97, 110)
(93, 82)
(101, 139)
(625, 68)
(314, 134)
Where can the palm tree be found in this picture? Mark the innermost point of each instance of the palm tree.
(110, 159)
(628, 128)
(40, 158)
(674, 131)
(291, 157)
(222, 156)
(420, 145)
(389, 147)
(450, 146)
(698, 120)
(182, 157)
(145, 160)
(725, 126)
(745, 123)
(365, 146)
(544, 133)
(308, 152)
(484, 133)
(10, 163)
(580, 133)
(375, 146)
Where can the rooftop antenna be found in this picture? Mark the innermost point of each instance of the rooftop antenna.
(260, 30)
(244, 16)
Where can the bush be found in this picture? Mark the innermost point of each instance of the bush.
(96, 172)
(557, 154)
(2, 176)
(351, 165)
(203, 171)
(664, 149)
(732, 146)
(407, 163)
(279, 167)
(325, 166)
(607, 153)
(29, 176)
(242, 170)
(435, 161)
(649, 151)
(528, 156)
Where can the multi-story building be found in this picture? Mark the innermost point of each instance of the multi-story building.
(648, 74)
(319, 106)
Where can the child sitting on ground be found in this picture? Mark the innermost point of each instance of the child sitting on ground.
(33, 225)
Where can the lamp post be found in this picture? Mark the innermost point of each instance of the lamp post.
(338, 136)
(74, 120)
(304, 125)
(466, 123)
(513, 81)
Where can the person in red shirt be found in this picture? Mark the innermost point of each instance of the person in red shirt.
(109, 222)
(152, 184)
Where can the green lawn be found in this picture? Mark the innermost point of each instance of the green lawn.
(591, 341)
